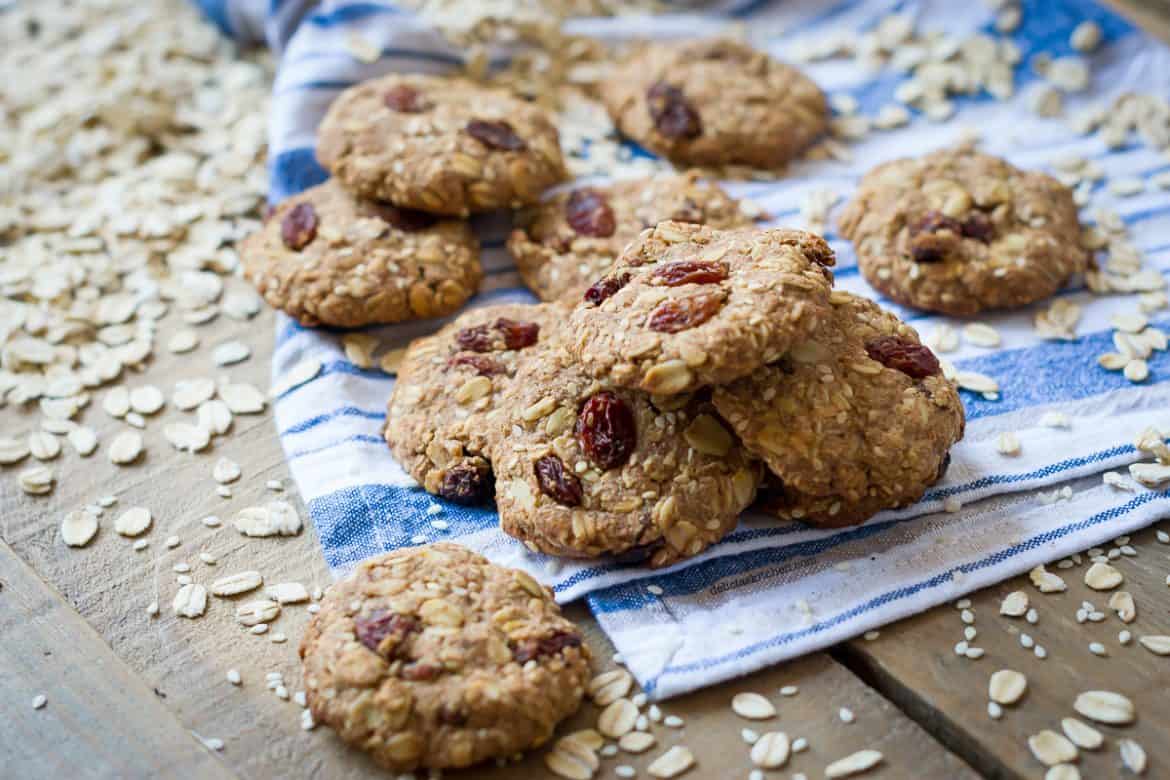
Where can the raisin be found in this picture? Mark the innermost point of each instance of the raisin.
(673, 115)
(556, 483)
(934, 222)
(420, 671)
(673, 316)
(299, 226)
(484, 366)
(452, 715)
(530, 649)
(589, 214)
(404, 99)
(496, 135)
(477, 338)
(606, 429)
(410, 220)
(913, 360)
(467, 485)
(928, 251)
(979, 227)
(604, 288)
(517, 335)
(689, 272)
(373, 630)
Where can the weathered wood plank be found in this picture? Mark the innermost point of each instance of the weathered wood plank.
(101, 719)
(914, 664)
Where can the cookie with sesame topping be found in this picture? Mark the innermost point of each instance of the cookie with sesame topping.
(570, 240)
(687, 306)
(855, 419)
(958, 232)
(325, 257)
(585, 468)
(440, 144)
(449, 387)
(715, 102)
(433, 657)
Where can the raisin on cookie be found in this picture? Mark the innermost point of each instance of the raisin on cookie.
(434, 657)
(449, 385)
(325, 257)
(442, 145)
(714, 102)
(563, 245)
(958, 231)
(855, 419)
(585, 469)
(687, 306)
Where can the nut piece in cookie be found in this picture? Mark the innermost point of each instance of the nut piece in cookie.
(588, 469)
(450, 385)
(714, 102)
(325, 257)
(855, 419)
(958, 231)
(567, 242)
(687, 306)
(441, 145)
(434, 657)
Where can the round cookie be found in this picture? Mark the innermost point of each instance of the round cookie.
(856, 419)
(958, 232)
(586, 469)
(434, 657)
(715, 102)
(442, 145)
(687, 306)
(327, 258)
(563, 245)
(450, 384)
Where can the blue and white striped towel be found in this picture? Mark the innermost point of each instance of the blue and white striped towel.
(769, 591)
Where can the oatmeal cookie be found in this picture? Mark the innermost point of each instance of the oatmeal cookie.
(442, 145)
(958, 232)
(687, 306)
(433, 657)
(714, 102)
(325, 257)
(587, 469)
(567, 242)
(449, 385)
(856, 419)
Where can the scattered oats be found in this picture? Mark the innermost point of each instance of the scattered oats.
(994, 710)
(861, 761)
(789, 690)
(771, 750)
(1127, 187)
(214, 416)
(12, 451)
(1133, 756)
(982, 335)
(146, 399)
(226, 470)
(133, 521)
(253, 613)
(185, 437)
(140, 545)
(116, 402)
(1045, 581)
(43, 446)
(752, 706)
(359, 349)
(1123, 604)
(974, 653)
(1008, 444)
(1124, 636)
(1105, 707)
(610, 686)
(1086, 36)
(1007, 686)
(1040, 652)
(1150, 474)
(135, 420)
(362, 49)
(1136, 370)
(673, 722)
(301, 373)
(258, 629)
(870, 636)
(952, 505)
(625, 771)
(242, 398)
(172, 542)
(1055, 420)
(39, 701)
(278, 638)
(36, 481)
(272, 519)
(125, 448)
(655, 713)
(967, 616)
(1115, 480)
(749, 736)
(231, 352)
(208, 559)
(1102, 576)
(233, 676)
(1159, 644)
(1162, 537)
(78, 528)
(274, 485)
(636, 742)
(618, 718)
(287, 593)
(183, 341)
(84, 440)
(189, 393)
(672, 763)
(1081, 734)
(1051, 748)
(846, 715)
(654, 590)
(190, 601)
(152, 609)
(961, 647)
(1096, 648)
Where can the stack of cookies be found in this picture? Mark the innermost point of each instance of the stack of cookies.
(704, 369)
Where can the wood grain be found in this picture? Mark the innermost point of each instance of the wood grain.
(914, 664)
(111, 722)
(1151, 15)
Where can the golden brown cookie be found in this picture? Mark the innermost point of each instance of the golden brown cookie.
(958, 232)
(713, 102)
(567, 242)
(687, 306)
(448, 388)
(327, 258)
(433, 657)
(440, 144)
(855, 419)
(585, 468)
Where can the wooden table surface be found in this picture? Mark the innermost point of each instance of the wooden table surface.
(127, 691)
